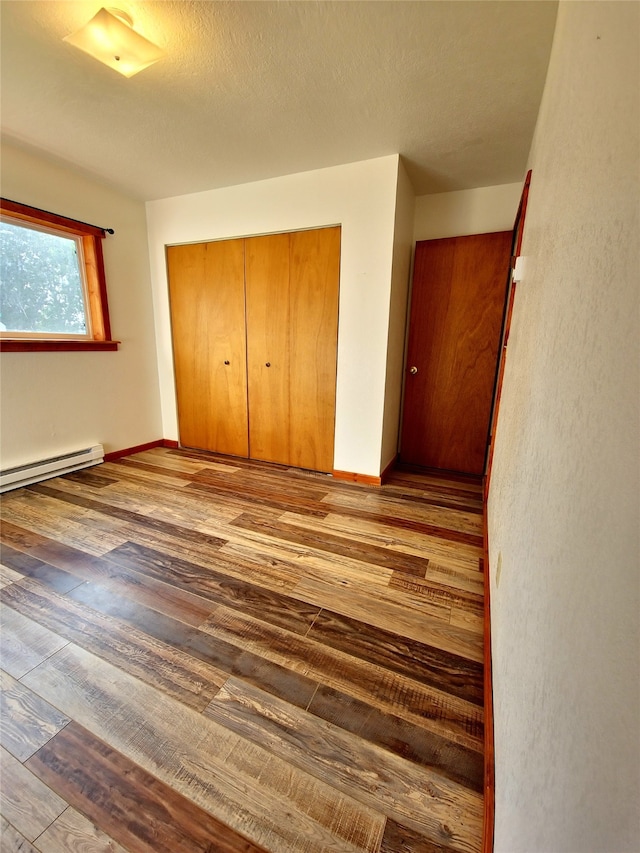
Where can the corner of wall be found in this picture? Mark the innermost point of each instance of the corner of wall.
(398, 306)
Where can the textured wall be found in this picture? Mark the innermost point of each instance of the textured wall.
(53, 402)
(563, 508)
(361, 197)
(478, 211)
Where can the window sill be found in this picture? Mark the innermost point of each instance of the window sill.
(43, 345)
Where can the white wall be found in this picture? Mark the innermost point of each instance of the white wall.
(361, 197)
(478, 211)
(57, 401)
(402, 248)
(563, 506)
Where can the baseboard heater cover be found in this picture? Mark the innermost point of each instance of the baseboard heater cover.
(54, 466)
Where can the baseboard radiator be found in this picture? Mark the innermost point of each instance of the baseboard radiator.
(54, 466)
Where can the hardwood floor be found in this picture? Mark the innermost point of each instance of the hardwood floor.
(202, 654)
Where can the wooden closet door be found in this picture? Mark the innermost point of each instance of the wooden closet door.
(292, 283)
(206, 288)
(268, 334)
(314, 263)
(457, 303)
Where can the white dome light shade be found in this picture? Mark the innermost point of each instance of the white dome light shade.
(110, 38)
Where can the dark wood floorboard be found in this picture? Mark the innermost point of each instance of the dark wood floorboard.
(135, 808)
(207, 654)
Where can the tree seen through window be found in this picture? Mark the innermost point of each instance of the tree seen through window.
(41, 287)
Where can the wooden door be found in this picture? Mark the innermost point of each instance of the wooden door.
(292, 284)
(268, 333)
(314, 259)
(206, 288)
(456, 313)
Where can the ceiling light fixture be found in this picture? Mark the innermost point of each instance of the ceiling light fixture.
(110, 38)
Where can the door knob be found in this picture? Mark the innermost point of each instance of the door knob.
(413, 370)
(268, 364)
(226, 361)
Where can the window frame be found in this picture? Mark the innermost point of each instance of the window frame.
(95, 285)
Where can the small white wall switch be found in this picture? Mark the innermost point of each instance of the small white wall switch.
(519, 269)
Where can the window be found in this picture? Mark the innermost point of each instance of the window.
(53, 292)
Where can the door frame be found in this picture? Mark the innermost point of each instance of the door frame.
(518, 230)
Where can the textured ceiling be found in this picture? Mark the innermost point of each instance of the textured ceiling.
(252, 90)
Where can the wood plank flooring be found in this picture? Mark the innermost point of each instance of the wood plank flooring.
(210, 655)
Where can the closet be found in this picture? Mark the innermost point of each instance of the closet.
(254, 328)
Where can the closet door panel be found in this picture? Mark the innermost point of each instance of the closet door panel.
(268, 354)
(206, 288)
(314, 289)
